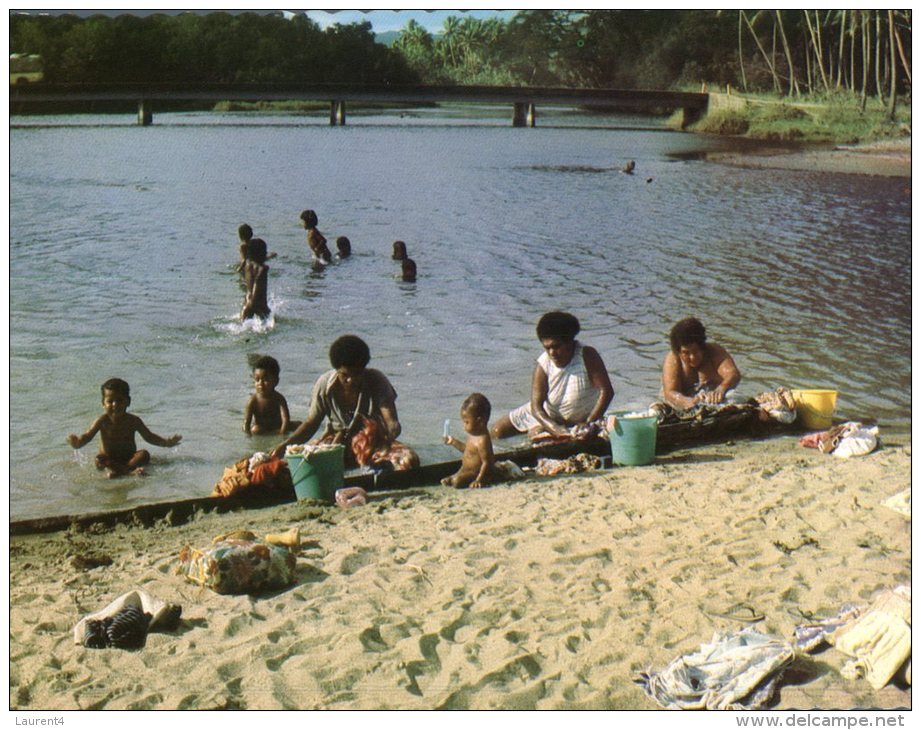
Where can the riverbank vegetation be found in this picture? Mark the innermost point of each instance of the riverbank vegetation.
(841, 74)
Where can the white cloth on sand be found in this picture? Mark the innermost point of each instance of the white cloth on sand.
(735, 671)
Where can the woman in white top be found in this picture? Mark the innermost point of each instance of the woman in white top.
(570, 384)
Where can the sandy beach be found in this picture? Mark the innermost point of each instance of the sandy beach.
(550, 593)
(889, 158)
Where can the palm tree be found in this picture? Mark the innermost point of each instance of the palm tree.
(450, 29)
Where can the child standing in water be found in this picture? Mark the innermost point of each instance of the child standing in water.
(119, 453)
(256, 281)
(245, 232)
(478, 463)
(267, 409)
(315, 239)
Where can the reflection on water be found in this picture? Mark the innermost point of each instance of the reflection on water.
(121, 241)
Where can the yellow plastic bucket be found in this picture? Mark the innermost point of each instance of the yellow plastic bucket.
(815, 407)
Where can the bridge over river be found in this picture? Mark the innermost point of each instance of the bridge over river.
(523, 100)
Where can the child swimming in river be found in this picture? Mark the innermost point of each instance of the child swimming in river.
(119, 453)
(267, 409)
(478, 463)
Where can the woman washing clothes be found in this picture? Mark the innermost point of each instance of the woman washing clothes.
(696, 372)
(570, 385)
(359, 405)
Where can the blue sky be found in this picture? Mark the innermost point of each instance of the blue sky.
(384, 20)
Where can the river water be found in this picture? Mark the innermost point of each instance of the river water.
(123, 241)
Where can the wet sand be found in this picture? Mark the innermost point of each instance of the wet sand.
(545, 594)
(890, 158)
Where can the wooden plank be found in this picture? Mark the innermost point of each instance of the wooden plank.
(669, 437)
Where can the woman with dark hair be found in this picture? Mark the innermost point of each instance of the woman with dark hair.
(359, 405)
(570, 385)
(696, 371)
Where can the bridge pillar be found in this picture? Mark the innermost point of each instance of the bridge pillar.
(524, 114)
(145, 113)
(336, 113)
(691, 115)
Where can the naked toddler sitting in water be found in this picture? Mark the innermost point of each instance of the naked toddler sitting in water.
(267, 409)
(478, 463)
(119, 453)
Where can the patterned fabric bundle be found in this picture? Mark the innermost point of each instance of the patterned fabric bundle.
(238, 566)
(127, 629)
(126, 621)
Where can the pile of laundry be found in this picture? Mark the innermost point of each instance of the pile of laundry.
(259, 473)
(846, 440)
(572, 465)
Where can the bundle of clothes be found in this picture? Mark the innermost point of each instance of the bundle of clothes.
(259, 473)
(242, 563)
(845, 440)
(742, 670)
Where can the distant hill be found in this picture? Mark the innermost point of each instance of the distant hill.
(388, 38)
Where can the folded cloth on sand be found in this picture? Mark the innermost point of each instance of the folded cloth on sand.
(124, 623)
(238, 565)
(879, 639)
(878, 636)
(572, 465)
(737, 670)
(900, 502)
(845, 440)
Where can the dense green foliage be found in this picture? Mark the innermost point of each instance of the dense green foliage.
(858, 54)
(216, 48)
(864, 52)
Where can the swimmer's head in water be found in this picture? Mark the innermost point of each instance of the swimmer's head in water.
(399, 250)
(409, 270)
(558, 325)
(344, 246)
(688, 331)
(309, 218)
(245, 232)
(349, 351)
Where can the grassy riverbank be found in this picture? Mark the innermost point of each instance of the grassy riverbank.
(827, 120)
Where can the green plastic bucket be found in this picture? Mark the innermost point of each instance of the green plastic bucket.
(633, 440)
(319, 475)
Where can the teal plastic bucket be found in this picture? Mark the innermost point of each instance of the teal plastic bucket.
(319, 475)
(633, 440)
